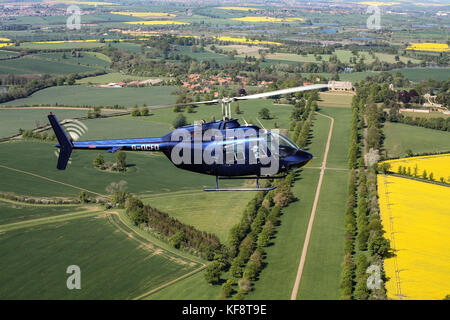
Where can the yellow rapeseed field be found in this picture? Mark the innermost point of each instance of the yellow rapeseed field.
(438, 164)
(151, 22)
(416, 218)
(435, 47)
(5, 40)
(144, 15)
(246, 40)
(5, 44)
(266, 19)
(238, 8)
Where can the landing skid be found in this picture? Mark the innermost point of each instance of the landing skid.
(244, 189)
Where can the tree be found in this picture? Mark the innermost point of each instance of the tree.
(212, 272)
(424, 174)
(84, 198)
(99, 161)
(361, 290)
(264, 113)
(177, 239)
(135, 112)
(70, 79)
(264, 237)
(121, 161)
(179, 121)
(378, 245)
(384, 167)
(227, 288)
(144, 111)
(245, 285)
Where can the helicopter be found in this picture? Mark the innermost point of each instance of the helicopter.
(225, 148)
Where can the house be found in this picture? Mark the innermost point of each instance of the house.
(340, 86)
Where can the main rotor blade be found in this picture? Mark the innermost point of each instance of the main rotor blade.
(283, 91)
(183, 104)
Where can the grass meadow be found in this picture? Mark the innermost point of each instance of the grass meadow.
(401, 137)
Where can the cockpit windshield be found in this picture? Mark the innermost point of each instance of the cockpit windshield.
(283, 140)
(286, 147)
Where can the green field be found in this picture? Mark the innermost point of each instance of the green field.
(85, 95)
(113, 265)
(11, 120)
(92, 59)
(419, 74)
(66, 45)
(40, 65)
(401, 137)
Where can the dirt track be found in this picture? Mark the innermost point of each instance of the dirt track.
(313, 212)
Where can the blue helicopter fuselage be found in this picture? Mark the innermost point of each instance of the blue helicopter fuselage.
(233, 157)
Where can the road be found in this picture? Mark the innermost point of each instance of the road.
(313, 211)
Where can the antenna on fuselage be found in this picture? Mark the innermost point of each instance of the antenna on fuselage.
(261, 124)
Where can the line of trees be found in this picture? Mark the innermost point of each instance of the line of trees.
(356, 143)
(44, 135)
(414, 173)
(178, 234)
(251, 235)
(365, 243)
(440, 123)
(301, 119)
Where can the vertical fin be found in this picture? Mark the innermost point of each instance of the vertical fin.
(65, 144)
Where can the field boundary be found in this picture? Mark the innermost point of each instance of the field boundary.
(313, 211)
